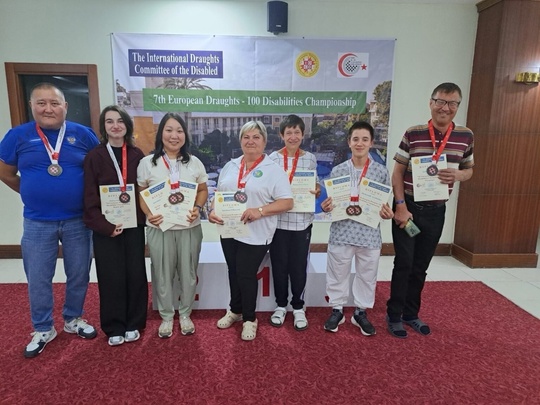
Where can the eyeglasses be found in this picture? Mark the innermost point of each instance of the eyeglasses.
(451, 104)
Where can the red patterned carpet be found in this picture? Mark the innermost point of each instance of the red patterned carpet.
(483, 350)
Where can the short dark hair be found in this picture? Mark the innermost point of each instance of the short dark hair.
(292, 121)
(128, 122)
(47, 85)
(361, 125)
(158, 148)
(447, 88)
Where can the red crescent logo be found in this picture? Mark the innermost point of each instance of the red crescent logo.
(340, 62)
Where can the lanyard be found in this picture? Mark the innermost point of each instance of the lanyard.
(438, 151)
(286, 162)
(355, 179)
(242, 175)
(174, 172)
(54, 155)
(122, 176)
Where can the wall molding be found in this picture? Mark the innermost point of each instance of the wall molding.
(443, 249)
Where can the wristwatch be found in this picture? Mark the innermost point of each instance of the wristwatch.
(261, 211)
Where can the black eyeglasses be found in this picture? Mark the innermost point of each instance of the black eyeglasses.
(451, 104)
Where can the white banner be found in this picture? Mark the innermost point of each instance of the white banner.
(217, 83)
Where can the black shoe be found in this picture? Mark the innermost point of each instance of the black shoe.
(336, 319)
(418, 326)
(396, 329)
(360, 319)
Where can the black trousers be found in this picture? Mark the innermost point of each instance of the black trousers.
(289, 253)
(122, 282)
(243, 261)
(412, 259)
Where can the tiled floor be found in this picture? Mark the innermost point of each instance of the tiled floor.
(521, 286)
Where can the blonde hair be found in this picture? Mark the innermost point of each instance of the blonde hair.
(250, 126)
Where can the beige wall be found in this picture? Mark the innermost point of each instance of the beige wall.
(435, 43)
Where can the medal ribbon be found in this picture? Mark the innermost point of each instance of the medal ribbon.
(286, 162)
(242, 175)
(122, 176)
(54, 155)
(438, 151)
(354, 183)
(174, 172)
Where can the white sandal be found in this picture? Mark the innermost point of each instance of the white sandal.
(228, 320)
(300, 320)
(249, 330)
(278, 317)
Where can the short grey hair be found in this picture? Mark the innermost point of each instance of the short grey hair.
(250, 126)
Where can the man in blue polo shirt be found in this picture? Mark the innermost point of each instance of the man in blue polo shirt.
(43, 162)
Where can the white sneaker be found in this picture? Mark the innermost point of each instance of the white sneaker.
(228, 320)
(186, 325)
(132, 336)
(81, 328)
(116, 340)
(38, 342)
(165, 329)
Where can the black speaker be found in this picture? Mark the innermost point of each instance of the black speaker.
(277, 16)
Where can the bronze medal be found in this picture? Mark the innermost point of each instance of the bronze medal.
(351, 210)
(357, 210)
(432, 170)
(176, 198)
(55, 170)
(240, 197)
(124, 198)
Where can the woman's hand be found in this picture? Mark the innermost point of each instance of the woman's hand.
(386, 212)
(317, 190)
(155, 219)
(327, 205)
(213, 218)
(117, 231)
(193, 214)
(250, 215)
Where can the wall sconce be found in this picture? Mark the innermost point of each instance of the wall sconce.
(527, 77)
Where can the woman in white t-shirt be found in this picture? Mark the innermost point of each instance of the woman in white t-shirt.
(174, 252)
(263, 187)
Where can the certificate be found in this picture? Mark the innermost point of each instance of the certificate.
(302, 183)
(230, 211)
(372, 196)
(116, 211)
(156, 198)
(428, 187)
(178, 213)
(339, 188)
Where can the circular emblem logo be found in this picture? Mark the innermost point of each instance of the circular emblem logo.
(307, 64)
(349, 64)
(257, 173)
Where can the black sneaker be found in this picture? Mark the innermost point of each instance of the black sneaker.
(336, 319)
(360, 319)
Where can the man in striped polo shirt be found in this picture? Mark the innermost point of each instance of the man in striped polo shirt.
(438, 140)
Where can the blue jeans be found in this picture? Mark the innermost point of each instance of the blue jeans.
(40, 252)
